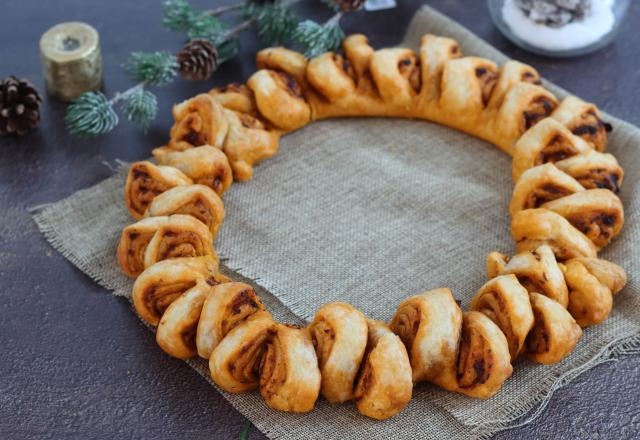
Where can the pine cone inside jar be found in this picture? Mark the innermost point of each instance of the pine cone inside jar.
(19, 106)
(349, 5)
(198, 60)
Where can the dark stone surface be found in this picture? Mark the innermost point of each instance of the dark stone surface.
(77, 364)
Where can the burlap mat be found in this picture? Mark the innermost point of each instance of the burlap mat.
(370, 211)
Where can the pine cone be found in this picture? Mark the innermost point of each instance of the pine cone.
(349, 5)
(19, 106)
(198, 60)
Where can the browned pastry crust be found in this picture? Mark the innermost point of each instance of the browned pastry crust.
(158, 238)
(198, 201)
(205, 165)
(546, 142)
(339, 335)
(483, 358)
(534, 227)
(583, 119)
(594, 170)
(235, 362)
(248, 142)
(537, 270)
(279, 99)
(145, 181)
(429, 325)
(289, 374)
(506, 302)
(539, 185)
(198, 121)
(554, 334)
(176, 332)
(384, 386)
(159, 285)
(229, 305)
(235, 97)
(592, 283)
(597, 213)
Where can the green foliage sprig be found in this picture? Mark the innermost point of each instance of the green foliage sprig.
(275, 22)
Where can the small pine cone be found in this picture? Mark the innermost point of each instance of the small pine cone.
(198, 60)
(349, 5)
(19, 106)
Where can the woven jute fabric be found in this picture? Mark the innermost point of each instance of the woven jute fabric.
(370, 211)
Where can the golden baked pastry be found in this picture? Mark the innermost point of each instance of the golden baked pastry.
(597, 213)
(546, 142)
(159, 285)
(429, 326)
(594, 170)
(483, 358)
(279, 99)
(177, 328)
(236, 97)
(533, 227)
(248, 142)
(555, 332)
(159, 238)
(206, 165)
(339, 335)
(537, 270)
(506, 302)
(592, 283)
(384, 386)
(235, 362)
(145, 181)
(462, 352)
(198, 201)
(289, 374)
(564, 209)
(583, 119)
(539, 185)
(228, 306)
(198, 121)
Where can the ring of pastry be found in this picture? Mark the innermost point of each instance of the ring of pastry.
(564, 209)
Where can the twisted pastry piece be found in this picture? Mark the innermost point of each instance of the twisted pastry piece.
(339, 335)
(289, 374)
(236, 363)
(145, 181)
(162, 283)
(539, 185)
(555, 332)
(158, 238)
(205, 165)
(546, 142)
(583, 119)
(534, 227)
(462, 352)
(592, 283)
(198, 121)
(384, 386)
(198, 201)
(594, 170)
(229, 305)
(536, 270)
(235, 97)
(597, 213)
(506, 302)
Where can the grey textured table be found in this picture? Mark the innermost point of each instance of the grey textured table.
(77, 364)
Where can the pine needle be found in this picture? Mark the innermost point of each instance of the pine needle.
(90, 115)
(140, 107)
(316, 39)
(157, 68)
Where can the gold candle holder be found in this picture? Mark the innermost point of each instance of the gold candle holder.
(71, 60)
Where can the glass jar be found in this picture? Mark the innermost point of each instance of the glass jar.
(573, 39)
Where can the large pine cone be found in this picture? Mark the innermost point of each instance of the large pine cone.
(198, 60)
(349, 5)
(19, 106)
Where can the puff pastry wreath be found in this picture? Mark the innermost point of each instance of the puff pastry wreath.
(564, 209)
